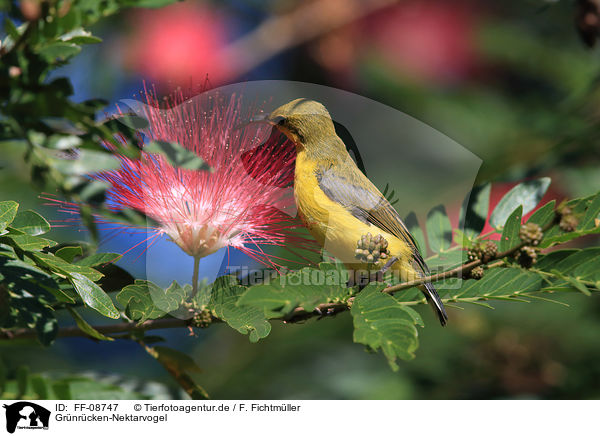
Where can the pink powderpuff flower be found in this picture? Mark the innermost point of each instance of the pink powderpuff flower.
(244, 201)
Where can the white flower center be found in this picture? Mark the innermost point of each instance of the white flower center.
(200, 229)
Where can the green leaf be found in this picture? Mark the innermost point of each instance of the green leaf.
(184, 362)
(40, 387)
(439, 229)
(550, 260)
(446, 261)
(46, 327)
(59, 51)
(544, 215)
(64, 294)
(22, 381)
(496, 283)
(99, 388)
(11, 29)
(8, 211)
(591, 214)
(62, 390)
(474, 210)
(580, 208)
(306, 288)
(510, 233)
(99, 259)
(180, 366)
(93, 192)
(27, 302)
(63, 142)
(86, 328)
(3, 377)
(138, 301)
(556, 236)
(80, 36)
(170, 299)
(31, 243)
(144, 300)
(527, 194)
(203, 295)
(381, 322)
(416, 317)
(94, 296)
(87, 162)
(573, 282)
(250, 320)
(59, 266)
(177, 155)
(30, 222)
(578, 264)
(412, 224)
(460, 238)
(68, 254)
(133, 121)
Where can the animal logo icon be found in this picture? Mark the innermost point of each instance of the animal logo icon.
(26, 415)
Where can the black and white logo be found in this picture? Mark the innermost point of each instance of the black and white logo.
(26, 416)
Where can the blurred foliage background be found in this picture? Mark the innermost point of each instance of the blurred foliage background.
(514, 82)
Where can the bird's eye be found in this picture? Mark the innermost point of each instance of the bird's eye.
(279, 120)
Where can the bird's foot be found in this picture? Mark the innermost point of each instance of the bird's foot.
(377, 276)
(388, 265)
(362, 278)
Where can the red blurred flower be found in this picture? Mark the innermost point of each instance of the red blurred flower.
(428, 40)
(179, 44)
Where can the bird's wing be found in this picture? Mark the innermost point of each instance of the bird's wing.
(355, 192)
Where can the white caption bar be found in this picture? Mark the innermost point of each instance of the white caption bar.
(299, 417)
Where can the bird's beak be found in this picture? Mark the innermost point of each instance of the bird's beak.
(260, 118)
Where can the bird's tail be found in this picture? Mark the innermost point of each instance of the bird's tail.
(435, 302)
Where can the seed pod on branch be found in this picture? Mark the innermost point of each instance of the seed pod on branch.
(202, 319)
(562, 209)
(475, 252)
(477, 273)
(490, 251)
(568, 223)
(526, 256)
(531, 233)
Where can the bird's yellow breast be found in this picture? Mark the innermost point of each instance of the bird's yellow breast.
(332, 225)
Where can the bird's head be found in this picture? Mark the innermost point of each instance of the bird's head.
(302, 120)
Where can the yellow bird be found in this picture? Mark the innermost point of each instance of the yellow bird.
(340, 206)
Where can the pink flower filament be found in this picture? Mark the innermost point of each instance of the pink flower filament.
(245, 200)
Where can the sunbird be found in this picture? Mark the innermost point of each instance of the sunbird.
(341, 207)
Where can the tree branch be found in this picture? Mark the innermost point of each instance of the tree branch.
(297, 315)
(461, 270)
(74, 331)
(295, 28)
